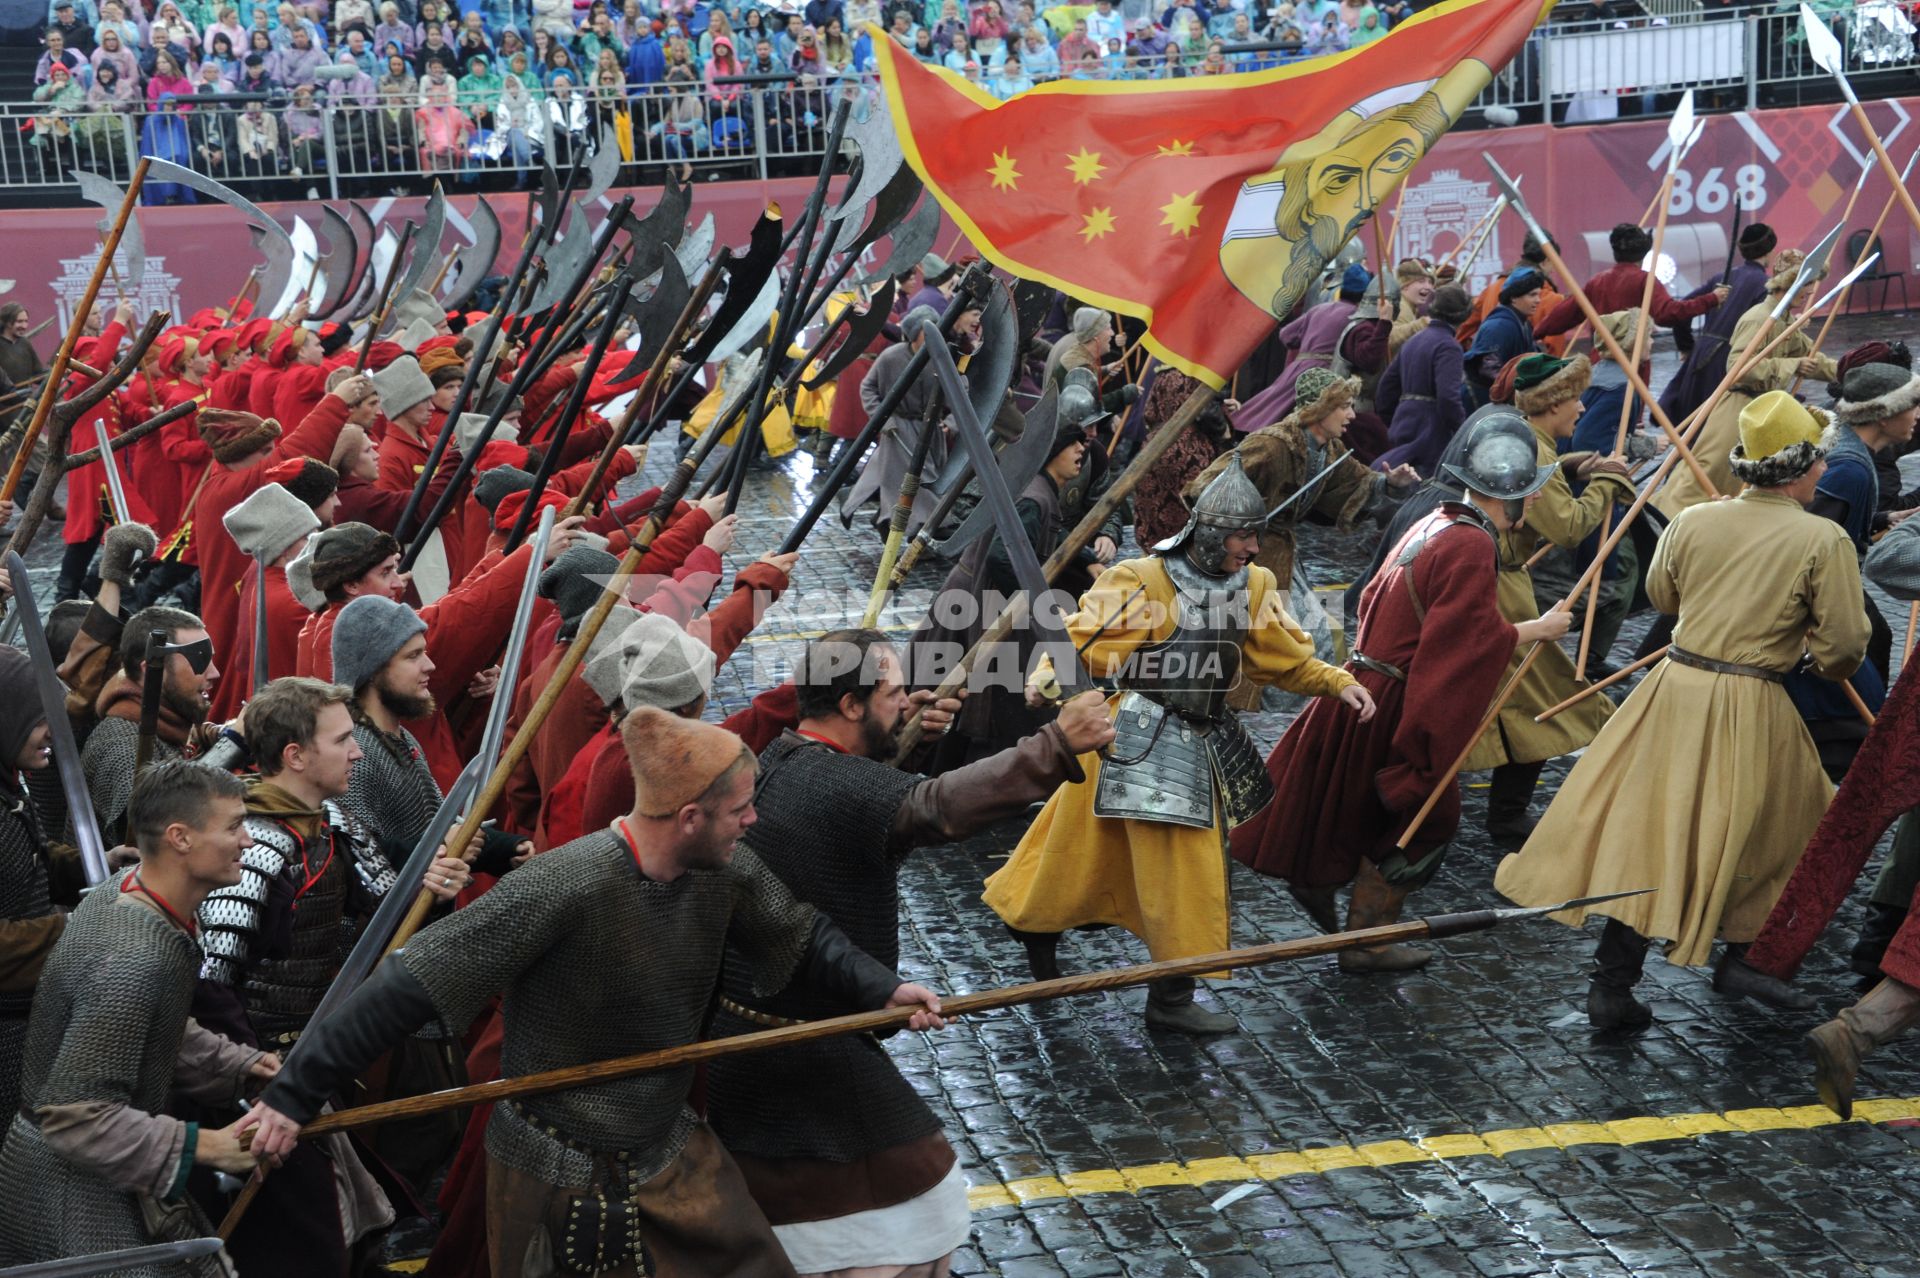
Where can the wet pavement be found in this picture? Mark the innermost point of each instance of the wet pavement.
(1460, 1120)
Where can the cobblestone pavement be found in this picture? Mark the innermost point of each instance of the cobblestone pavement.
(1460, 1120)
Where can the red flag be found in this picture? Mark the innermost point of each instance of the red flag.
(1205, 206)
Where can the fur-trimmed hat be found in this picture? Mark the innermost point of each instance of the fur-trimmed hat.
(1785, 268)
(1523, 280)
(675, 760)
(1629, 242)
(1541, 382)
(309, 480)
(1450, 304)
(1757, 240)
(1320, 392)
(1411, 270)
(1780, 440)
(402, 386)
(346, 552)
(1874, 392)
(232, 439)
(268, 521)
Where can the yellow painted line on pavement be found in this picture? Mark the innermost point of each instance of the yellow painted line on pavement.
(1429, 1149)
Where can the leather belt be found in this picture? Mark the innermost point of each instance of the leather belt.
(1425, 399)
(1678, 654)
(1365, 662)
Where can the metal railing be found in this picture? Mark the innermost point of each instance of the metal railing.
(775, 126)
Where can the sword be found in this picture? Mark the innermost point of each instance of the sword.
(260, 673)
(1307, 487)
(53, 701)
(495, 731)
(110, 1262)
(115, 493)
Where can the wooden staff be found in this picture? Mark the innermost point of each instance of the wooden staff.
(1474, 235)
(385, 304)
(1607, 682)
(1063, 554)
(1627, 403)
(1840, 302)
(57, 372)
(568, 1077)
(1913, 625)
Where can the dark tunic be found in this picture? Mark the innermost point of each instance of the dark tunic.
(1346, 789)
(1706, 363)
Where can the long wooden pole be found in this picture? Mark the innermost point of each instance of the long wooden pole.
(57, 371)
(893, 1018)
(1627, 405)
(1081, 533)
(384, 306)
(1607, 682)
(1840, 302)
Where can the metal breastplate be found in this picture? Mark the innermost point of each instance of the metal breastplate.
(1191, 671)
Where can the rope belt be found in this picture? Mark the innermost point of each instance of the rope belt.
(1365, 662)
(753, 1017)
(1681, 656)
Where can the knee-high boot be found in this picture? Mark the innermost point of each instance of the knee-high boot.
(1376, 903)
(1839, 1046)
(1618, 962)
(1508, 798)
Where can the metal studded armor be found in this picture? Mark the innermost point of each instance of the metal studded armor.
(823, 824)
(1178, 752)
(280, 934)
(597, 961)
(113, 1000)
(23, 895)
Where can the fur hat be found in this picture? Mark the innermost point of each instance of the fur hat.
(495, 484)
(402, 386)
(1619, 325)
(268, 521)
(918, 322)
(1785, 268)
(1320, 392)
(1450, 304)
(334, 338)
(236, 439)
(1540, 382)
(575, 581)
(309, 480)
(1630, 243)
(367, 633)
(674, 760)
(663, 665)
(602, 667)
(1411, 270)
(1875, 392)
(1780, 440)
(1756, 241)
(346, 552)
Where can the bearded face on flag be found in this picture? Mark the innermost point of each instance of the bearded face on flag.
(1291, 220)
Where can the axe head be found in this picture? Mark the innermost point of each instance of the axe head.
(1515, 201)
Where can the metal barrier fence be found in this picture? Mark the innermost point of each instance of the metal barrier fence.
(773, 127)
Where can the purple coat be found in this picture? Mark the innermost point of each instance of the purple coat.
(1421, 398)
(1312, 337)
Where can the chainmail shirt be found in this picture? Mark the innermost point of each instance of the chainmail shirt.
(107, 760)
(392, 791)
(110, 1015)
(842, 1098)
(23, 895)
(597, 961)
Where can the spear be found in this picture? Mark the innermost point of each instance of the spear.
(1825, 50)
(1473, 232)
(57, 371)
(1438, 927)
(1873, 236)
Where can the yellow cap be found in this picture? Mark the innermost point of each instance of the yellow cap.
(1775, 422)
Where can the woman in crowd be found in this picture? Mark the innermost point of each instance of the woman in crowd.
(393, 31)
(479, 89)
(836, 51)
(443, 131)
(518, 118)
(724, 99)
(566, 119)
(63, 102)
(113, 52)
(399, 94)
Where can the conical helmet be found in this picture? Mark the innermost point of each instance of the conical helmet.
(1231, 503)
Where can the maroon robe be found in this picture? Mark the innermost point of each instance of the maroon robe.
(1346, 789)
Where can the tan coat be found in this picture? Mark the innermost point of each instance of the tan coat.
(1705, 785)
(1565, 520)
(1715, 442)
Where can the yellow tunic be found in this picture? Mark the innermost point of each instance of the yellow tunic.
(1714, 445)
(1167, 884)
(1706, 786)
(1561, 518)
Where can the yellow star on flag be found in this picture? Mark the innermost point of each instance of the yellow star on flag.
(1096, 224)
(1182, 214)
(1177, 148)
(1086, 166)
(1005, 176)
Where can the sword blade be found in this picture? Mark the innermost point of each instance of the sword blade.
(108, 1262)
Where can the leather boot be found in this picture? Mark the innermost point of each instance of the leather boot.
(1876, 933)
(1733, 977)
(1043, 952)
(1619, 960)
(1508, 798)
(1170, 1006)
(1320, 905)
(1376, 903)
(1838, 1047)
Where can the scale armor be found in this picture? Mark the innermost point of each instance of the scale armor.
(600, 962)
(1178, 752)
(23, 895)
(281, 991)
(114, 1000)
(840, 1099)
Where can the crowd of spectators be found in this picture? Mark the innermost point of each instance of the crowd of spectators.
(243, 86)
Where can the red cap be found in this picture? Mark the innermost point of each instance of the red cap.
(508, 511)
(280, 355)
(220, 342)
(253, 331)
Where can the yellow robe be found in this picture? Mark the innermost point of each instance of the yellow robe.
(1167, 884)
(1561, 518)
(1714, 444)
(1706, 786)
